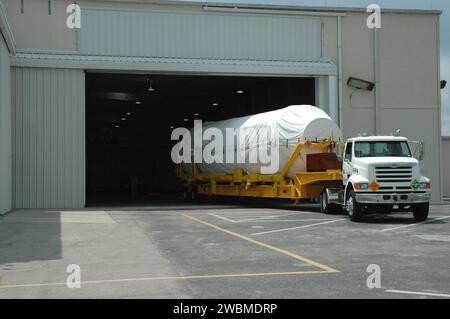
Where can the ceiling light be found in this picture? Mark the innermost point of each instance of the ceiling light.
(172, 126)
(123, 119)
(150, 86)
(215, 104)
(138, 102)
(186, 120)
(196, 114)
(128, 113)
(360, 84)
(239, 91)
(118, 96)
(117, 126)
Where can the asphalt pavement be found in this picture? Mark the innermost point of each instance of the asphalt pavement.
(222, 251)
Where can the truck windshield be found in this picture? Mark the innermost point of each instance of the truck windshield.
(382, 148)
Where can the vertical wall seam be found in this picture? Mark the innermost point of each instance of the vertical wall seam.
(439, 97)
(13, 137)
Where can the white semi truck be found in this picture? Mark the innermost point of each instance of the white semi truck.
(377, 174)
(380, 174)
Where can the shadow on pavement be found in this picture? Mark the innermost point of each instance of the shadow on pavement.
(395, 219)
(29, 236)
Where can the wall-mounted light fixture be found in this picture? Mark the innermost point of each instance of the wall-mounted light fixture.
(360, 84)
(443, 84)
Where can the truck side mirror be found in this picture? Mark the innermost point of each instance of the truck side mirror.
(339, 150)
(418, 150)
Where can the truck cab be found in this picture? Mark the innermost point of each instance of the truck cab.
(380, 175)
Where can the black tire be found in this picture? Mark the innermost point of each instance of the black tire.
(420, 211)
(354, 209)
(325, 207)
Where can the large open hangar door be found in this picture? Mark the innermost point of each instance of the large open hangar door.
(130, 118)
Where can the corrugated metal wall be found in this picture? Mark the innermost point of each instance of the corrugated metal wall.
(5, 129)
(49, 138)
(199, 35)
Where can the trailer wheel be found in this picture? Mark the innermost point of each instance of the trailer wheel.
(420, 211)
(354, 209)
(325, 206)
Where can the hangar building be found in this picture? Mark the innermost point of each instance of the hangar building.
(86, 110)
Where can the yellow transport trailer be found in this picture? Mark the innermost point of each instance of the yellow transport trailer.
(302, 185)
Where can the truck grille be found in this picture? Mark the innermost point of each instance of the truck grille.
(388, 174)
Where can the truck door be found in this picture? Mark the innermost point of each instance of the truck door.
(347, 163)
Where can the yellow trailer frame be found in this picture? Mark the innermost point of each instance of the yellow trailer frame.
(302, 185)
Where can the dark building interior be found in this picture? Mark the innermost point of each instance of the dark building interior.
(129, 120)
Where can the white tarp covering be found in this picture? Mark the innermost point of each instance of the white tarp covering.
(278, 130)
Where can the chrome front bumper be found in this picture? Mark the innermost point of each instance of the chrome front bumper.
(393, 198)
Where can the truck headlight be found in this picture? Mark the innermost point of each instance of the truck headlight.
(426, 185)
(361, 186)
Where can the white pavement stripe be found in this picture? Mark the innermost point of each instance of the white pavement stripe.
(419, 293)
(253, 218)
(415, 224)
(264, 217)
(292, 220)
(223, 218)
(299, 227)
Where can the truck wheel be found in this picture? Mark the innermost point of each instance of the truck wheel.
(354, 209)
(420, 211)
(325, 206)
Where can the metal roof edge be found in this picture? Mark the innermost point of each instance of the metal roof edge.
(6, 32)
(53, 60)
(292, 7)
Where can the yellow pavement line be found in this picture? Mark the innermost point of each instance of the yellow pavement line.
(256, 242)
(90, 282)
